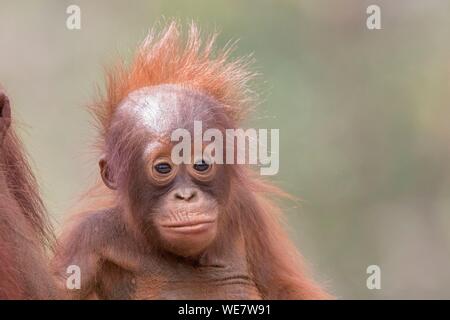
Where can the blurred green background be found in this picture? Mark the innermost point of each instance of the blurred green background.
(363, 117)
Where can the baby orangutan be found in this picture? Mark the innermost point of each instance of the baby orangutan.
(186, 231)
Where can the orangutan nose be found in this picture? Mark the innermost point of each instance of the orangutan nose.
(186, 194)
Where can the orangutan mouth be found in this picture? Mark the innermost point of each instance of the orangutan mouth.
(190, 227)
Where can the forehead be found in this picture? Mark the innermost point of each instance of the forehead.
(164, 108)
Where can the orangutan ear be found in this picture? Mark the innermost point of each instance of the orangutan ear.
(105, 172)
(5, 113)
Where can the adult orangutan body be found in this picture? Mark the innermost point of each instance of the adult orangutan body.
(200, 231)
(24, 229)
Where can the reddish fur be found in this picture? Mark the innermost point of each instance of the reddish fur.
(274, 263)
(166, 58)
(25, 232)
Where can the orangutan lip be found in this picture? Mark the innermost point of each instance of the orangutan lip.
(179, 224)
(189, 226)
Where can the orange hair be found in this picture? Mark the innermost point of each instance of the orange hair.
(167, 58)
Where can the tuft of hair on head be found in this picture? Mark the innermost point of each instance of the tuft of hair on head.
(171, 57)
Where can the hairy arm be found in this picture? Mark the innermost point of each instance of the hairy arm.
(94, 241)
(275, 263)
(77, 259)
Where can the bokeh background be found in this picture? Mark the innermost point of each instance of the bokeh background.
(363, 117)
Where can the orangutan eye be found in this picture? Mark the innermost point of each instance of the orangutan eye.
(163, 168)
(201, 166)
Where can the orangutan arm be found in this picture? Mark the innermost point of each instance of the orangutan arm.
(77, 262)
(275, 263)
